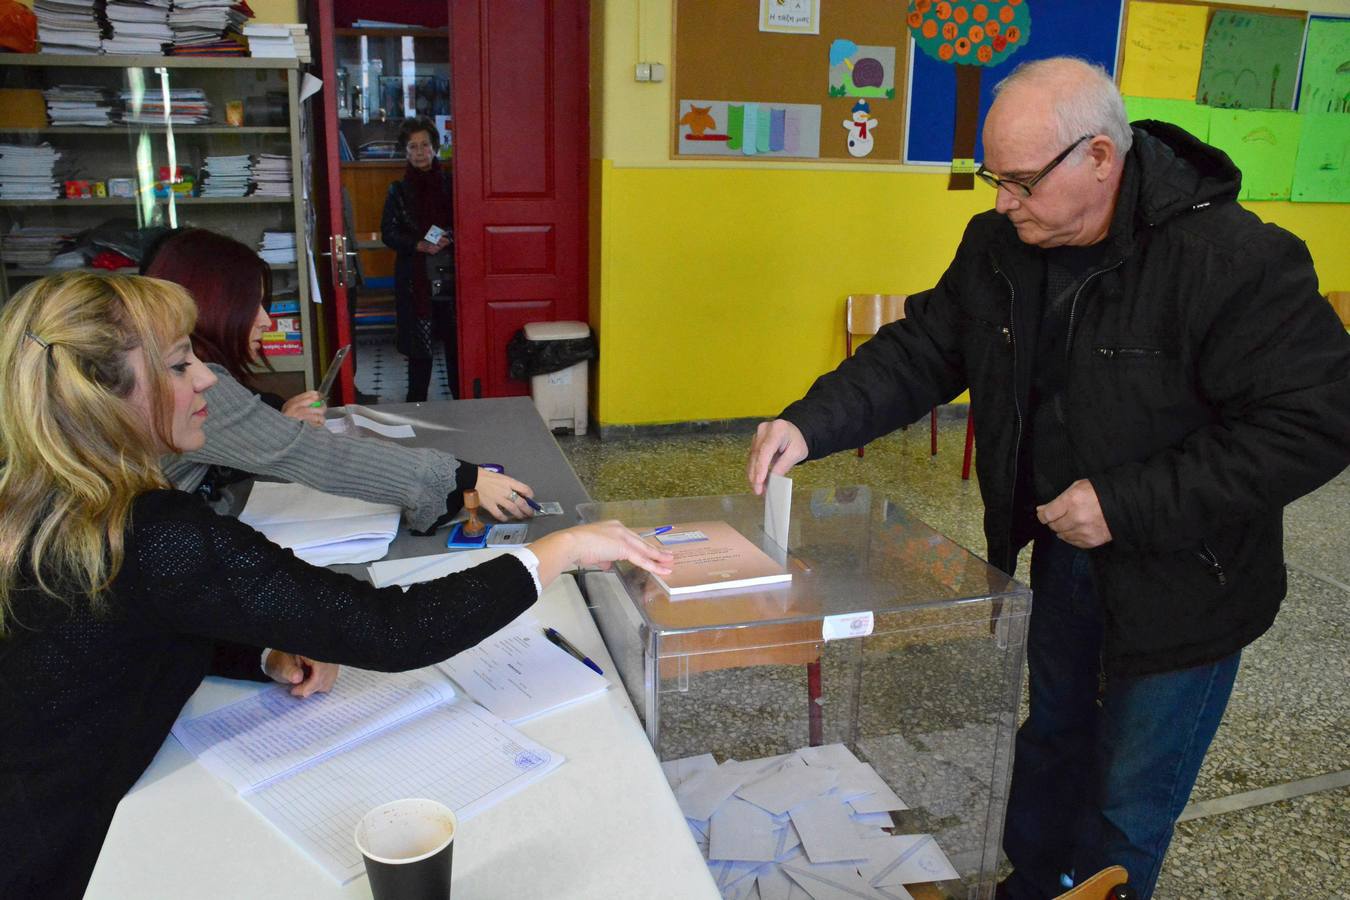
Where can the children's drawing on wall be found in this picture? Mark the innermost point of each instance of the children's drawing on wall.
(969, 36)
(790, 16)
(1322, 169)
(861, 71)
(1263, 144)
(734, 128)
(860, 126)
(1326, 67)
(1250, 61)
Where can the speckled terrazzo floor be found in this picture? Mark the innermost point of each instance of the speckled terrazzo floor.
(1289, 717)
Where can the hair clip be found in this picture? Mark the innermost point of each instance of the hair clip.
(37, 340)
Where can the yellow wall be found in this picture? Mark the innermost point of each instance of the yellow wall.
(717, 289)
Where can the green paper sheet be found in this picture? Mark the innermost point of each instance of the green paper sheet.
(735, 125)
(1263, 144)
(1326, 90)
(1322, 169)
(1250, 61)
(1183, 113)
(762, 127)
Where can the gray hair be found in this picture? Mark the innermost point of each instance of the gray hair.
(1090, 105)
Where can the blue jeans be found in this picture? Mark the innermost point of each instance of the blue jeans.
(1103, 766)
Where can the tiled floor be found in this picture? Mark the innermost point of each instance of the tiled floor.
(382, 371)
(1289, 718)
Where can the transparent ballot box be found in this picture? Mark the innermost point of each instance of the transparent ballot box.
(850, 729)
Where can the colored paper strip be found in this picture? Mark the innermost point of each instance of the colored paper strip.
(735, 125)
(776, 123)
(791, 133)
(751, 128)
(763, 125)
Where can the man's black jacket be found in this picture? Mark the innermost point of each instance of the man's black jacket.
(1208, 386)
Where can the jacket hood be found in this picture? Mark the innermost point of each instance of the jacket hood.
(1177, 172)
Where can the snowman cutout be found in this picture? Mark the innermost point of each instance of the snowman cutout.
(860, 128)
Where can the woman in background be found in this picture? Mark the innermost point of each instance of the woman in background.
(424, 306)
(118, 595)
(250, 434)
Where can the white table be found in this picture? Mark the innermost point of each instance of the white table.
(603, 825)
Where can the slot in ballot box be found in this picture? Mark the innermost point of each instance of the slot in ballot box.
(892, 650)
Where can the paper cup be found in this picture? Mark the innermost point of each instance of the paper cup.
(407, 846)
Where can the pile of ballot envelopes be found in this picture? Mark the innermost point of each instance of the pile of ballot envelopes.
(812, 823)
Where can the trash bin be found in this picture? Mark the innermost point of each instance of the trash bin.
(560, 396)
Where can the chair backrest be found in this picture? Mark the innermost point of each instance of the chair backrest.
(864, 314)
(1340, 301)
(1101, 886)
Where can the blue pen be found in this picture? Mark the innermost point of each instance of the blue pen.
(530, 500)
(655, 531)
(562, 642)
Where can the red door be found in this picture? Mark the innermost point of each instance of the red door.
(518, 84)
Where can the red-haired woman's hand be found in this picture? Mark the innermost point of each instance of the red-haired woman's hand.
(302, 407)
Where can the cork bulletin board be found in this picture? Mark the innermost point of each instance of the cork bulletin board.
(743, 93)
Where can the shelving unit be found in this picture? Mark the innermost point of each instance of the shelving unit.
(269, 89)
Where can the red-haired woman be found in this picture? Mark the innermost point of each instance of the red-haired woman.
(247, 435)
(233, 289)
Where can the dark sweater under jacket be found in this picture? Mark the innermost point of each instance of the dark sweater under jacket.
(87, 699)
(1206, 385)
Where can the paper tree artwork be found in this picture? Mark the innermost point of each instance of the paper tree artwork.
(861, 71)
(969, 36)
(1326, 68)
(1250, 61)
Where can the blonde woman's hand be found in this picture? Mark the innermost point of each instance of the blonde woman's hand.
(302, 407)
(599, 544)
(502, 496)
(306, 676)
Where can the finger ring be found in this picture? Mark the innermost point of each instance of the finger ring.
(512, 496)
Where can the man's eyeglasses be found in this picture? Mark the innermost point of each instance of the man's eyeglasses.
(1020, 188)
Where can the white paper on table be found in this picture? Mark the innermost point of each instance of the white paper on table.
(254, 740)
(827, 832)
(416, 569)
(679, 770)
(458, 754)
(518, 673)
(778, 509)
(322, 529)
(906, 859)
(345, 424)
(788, 787)
(742, 831)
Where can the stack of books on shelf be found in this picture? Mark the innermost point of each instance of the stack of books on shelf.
(226, 176)
(278, 248)
(27, 173)
(35, 245)
(208, 27)
(186, 106)
(271, 175)
(278, 41)
(71, 26)
(80, 104)
(285, 338)
(139, 27)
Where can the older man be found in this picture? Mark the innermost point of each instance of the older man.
(1153, 377)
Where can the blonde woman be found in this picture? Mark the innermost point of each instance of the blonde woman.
(118, 594)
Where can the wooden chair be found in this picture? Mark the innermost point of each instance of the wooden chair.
(1102, 886)
(1340, 301)
(864, 314)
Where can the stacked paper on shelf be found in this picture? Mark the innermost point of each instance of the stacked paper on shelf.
(225, 176)
(271, 175)
(71, 26)
(35, 245)
(138, 26)
(26, 173)
(204, 23)
(183, 106)
(277, 247)
(322, 529)
(270, 41)
(80, 104)
(814, 823)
